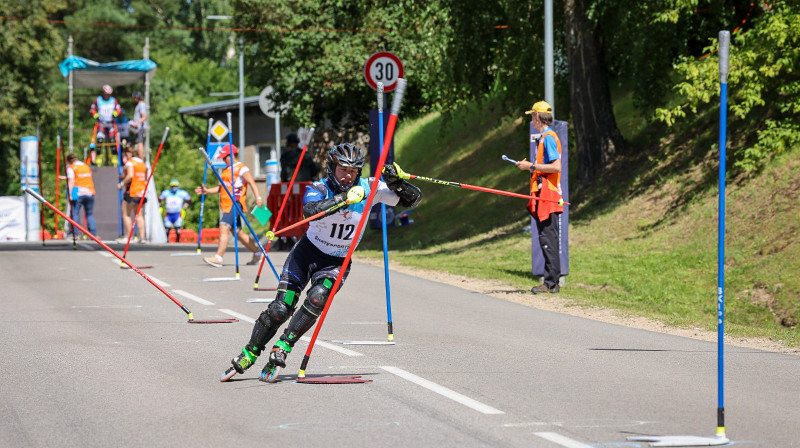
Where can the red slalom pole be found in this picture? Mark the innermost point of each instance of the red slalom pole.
(144, 194)
(396, 101)
(58, 181)
(283, 205)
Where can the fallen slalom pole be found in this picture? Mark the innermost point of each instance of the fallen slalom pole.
(239, 212)
(396, 102)
(280, 211)
(403, 175)
(144, 194)
(192, 320)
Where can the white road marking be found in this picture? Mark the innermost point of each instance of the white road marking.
(105, 306)
(161, 283)
(238, 315)
(561, 440)
(190, 296)
(441, 390)
(335, 348)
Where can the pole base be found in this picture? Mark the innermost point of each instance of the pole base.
(681, 440)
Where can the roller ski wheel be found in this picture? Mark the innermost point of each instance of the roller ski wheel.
(270, 373)
(228, 374)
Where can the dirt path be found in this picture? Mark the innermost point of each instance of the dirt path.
(553, 302)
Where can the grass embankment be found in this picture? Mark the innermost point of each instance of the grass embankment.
(643, 239)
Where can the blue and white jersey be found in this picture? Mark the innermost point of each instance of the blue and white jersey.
(173, 202)
(333, 234)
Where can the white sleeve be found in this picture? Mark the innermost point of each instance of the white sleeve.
(70, 173)
(384, 194)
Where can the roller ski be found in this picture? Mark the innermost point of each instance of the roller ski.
(277, 361)
(240, 363)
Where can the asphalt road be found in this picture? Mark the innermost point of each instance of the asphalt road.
(94, 355)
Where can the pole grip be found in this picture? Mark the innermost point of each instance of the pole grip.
(380, 97)
(210, 123)
(307, 140)
(397, 100)
(724, 55)
(166, 132)
(230, 124)
(35, 195)
(205, 155)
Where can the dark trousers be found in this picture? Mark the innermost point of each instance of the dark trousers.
(549, 241)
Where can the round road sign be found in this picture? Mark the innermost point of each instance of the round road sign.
(383, 67)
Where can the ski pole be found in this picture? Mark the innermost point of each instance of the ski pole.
(285, 200)
(271, 235)
(144, 193)
(203, 197)
(403, 175)
(104, 246)
(396, 102)
(239, 212)
(390, 336)
(68, 193)
(509, 160)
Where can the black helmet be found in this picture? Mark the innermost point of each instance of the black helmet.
(344, 154)
(292, 138)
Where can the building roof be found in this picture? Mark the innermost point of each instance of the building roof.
(204, 110)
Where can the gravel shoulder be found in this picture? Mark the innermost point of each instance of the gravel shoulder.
(555, 303)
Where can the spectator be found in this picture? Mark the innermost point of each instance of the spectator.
(139, 122)
(175, 202)
(135, 175)
(308, 168)
(81, 190)
(546, 184)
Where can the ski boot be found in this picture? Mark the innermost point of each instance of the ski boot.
(277, 361)
(240, 363)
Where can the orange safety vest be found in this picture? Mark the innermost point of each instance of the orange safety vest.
(551, 185)
(136, 188)
(239, 191)
(83, 177)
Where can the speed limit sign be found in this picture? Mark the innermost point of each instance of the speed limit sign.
(383, 67)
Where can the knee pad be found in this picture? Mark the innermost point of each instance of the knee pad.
(282, 307)
(318, 295)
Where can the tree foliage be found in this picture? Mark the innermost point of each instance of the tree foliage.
(763, 84)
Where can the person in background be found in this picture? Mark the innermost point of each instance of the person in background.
(104, 110)
(546, 184)
(289, 158)
(139, 122)
(81, 191)
(175, 201)
(239, 179)
(135, 175)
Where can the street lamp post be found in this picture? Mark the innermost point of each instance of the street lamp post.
(241, 80)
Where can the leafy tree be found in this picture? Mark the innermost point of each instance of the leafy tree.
(764, 86)
(29, 52)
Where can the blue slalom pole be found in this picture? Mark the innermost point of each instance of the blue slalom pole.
(233, 196)
(203, 197)
(724, 60)
(383, 225)
(240, 213)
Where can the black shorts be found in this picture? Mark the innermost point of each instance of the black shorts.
(305, 262)
(132, 200)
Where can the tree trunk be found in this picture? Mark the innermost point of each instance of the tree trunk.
(598, 137)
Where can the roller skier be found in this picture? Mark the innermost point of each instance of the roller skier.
(318, 257)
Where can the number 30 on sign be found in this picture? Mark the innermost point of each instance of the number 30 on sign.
(383, 67)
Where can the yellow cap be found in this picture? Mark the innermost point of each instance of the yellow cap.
(541, 107)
